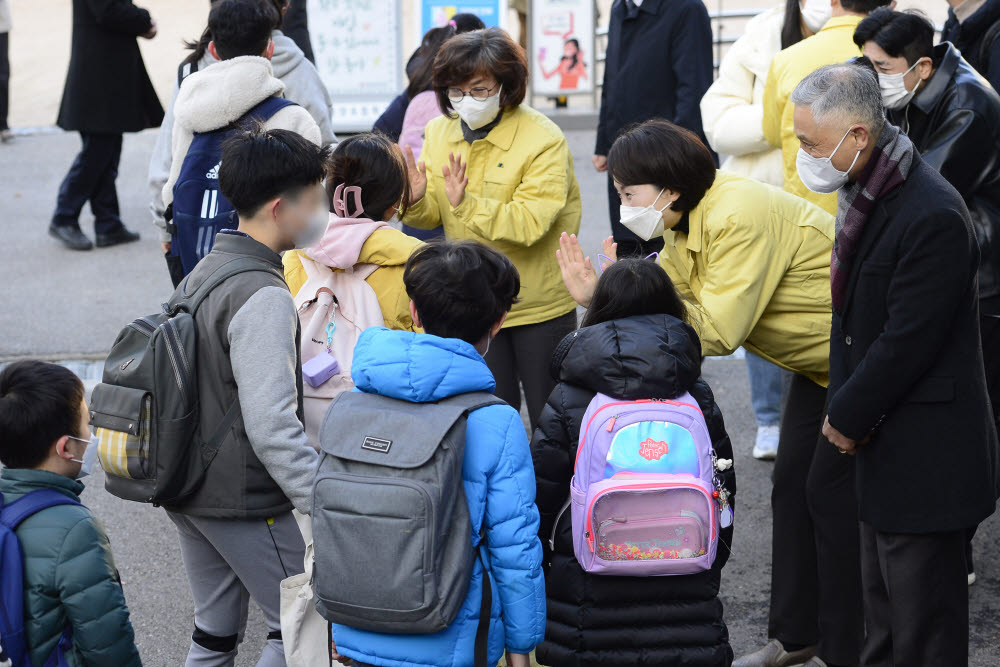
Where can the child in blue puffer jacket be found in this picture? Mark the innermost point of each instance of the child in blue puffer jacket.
(460, 293)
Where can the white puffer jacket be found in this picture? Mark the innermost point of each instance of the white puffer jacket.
(732, 110)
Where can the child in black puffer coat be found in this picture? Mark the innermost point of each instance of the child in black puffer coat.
(633, 345)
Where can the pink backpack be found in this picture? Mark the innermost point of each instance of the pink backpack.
(645, 498)
(334, 308)
(422, 109)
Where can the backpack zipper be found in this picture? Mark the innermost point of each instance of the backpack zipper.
(584, 431)
(177, 360)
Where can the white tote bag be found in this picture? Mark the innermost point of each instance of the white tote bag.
(305, 634)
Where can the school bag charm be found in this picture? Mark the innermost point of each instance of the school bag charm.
(645, 497)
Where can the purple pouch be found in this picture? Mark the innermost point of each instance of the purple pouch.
(319, 369)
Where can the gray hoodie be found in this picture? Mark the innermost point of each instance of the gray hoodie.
(302, 85)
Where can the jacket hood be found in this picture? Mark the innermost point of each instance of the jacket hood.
(287, 55)
(647, 356)
(417, 367)
(218, 95)
(340, 247)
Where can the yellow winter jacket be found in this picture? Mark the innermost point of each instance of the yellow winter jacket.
(833, 44)
(755, 270)
(387, 248)
(522, 195)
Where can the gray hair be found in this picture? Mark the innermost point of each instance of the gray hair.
(849, 93)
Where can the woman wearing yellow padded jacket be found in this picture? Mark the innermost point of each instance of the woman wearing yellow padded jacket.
(497, 171)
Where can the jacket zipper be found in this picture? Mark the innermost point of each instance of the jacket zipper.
(588, 529)
(615, 417)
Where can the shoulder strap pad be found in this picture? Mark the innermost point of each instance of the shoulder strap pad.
(191, 302)
(473, 401)
(13, 514)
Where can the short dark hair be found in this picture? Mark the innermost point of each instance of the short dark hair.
(460, 288)
(490, 51)
(39, 403)
(259, 165)
(373, 163)
(241, 27)
(665, 155)
(631, 287)
(908, 34)
(863, 6)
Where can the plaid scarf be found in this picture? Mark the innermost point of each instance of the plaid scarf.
(886, 170)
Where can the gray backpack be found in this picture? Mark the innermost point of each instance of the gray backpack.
(391, 525)
(145, 412)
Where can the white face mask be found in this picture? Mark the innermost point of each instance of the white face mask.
(89, 454)
(815, 13)
(646, 222)
(478, 113)
(818, 173)
(894, 92)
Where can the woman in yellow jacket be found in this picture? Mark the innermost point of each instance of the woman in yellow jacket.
(753, 263)
(496, 171)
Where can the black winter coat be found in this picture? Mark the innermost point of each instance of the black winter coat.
(617, 621)
(658, 65)
(957, 116)
(971, 38)
(107, 88)
(906, 364)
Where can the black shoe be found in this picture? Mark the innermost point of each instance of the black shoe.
(122, 235)
(71, 237)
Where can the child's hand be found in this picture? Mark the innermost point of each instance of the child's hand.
(518, 659)
(577, 271)
(610, 248)
(336, 656)
(455, 180)
(417, 174)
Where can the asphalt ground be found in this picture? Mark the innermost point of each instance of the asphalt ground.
(57, 304)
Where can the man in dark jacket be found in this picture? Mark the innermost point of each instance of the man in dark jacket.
(907, 388)
(107, 93)
(658, 65)
(73, 597)
(953, 118)
(973, 26)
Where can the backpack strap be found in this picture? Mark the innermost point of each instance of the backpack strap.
(184, 70)
(482, 645)
(473, 401)
(31, 503)
(192, 302)
(264, 109)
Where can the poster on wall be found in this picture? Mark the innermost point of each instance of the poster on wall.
(358, 49)
(562, 47)
(436, 13)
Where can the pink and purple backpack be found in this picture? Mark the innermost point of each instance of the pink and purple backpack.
(645, 498)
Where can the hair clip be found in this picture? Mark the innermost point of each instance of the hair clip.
(452, 23)
(603, 261)
(340, 201)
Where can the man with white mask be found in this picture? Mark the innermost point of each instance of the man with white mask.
(907, 387)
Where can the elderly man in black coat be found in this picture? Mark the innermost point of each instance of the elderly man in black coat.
(907, 387)
(107, 93)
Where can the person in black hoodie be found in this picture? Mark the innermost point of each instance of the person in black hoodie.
(634, 344)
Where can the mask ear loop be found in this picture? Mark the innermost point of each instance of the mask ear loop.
(340, 201)
(603, 261)
(655, 256)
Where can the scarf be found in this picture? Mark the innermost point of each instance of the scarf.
(886, 170)
(471, 135)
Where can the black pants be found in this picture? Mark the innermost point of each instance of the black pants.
(815, 567)
(629, 245)
(521, 356)
(916, 599)
(4, 79)
(92, 178)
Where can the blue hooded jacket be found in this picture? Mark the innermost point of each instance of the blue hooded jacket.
(500, 489)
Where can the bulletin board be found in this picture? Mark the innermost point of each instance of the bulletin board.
(562, 47)
(358, 49)
(436, 13)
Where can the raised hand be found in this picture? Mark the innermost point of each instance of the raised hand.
(577, 272)
(455, 180)
(417, 173)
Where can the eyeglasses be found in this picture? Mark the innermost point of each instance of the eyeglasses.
(479, 93)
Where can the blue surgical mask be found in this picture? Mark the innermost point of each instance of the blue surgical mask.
(89, 454)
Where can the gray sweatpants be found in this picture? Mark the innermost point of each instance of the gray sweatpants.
(229, 561)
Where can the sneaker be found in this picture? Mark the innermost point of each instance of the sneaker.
(971, 578)
(122, 235)
(6, 136)
(766, 448)
(71, 237)
(775, 655)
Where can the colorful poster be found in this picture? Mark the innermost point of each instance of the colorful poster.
(562, 45)
(358, 48)
(436, 13)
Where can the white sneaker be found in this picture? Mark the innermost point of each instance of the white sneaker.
(766, 448)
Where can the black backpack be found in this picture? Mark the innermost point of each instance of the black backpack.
(145, 411)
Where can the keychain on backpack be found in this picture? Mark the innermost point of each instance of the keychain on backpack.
(324, 365)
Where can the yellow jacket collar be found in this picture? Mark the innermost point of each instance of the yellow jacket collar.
(501, 136)
(847, 21)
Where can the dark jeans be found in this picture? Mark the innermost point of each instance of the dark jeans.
(916, 598)
(521, 356)
(92, 178)
(4, 79)
(629, 245)
(815, 566)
